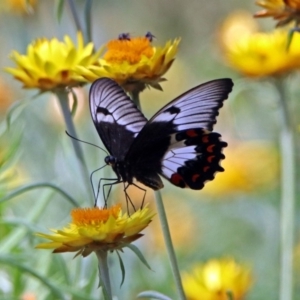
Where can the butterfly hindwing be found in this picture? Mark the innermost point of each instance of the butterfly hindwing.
(177, 143)
(116, 117)
(194, 158)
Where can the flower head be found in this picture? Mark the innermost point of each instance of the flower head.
(18, 6)
(95, 229)
(50, 64)
(242, 174)
(284, 11)
(133, 62)
(214, 279)
(259, 54)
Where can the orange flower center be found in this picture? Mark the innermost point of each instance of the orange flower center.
(130, 51)
(85, 216)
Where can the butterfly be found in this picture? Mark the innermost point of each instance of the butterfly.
(177, 143)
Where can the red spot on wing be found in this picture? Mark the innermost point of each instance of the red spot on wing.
(205, 139)
(210, 148)
(206, 168)
(177, 180)
(210, 158)
(191, 133)
(195, 177)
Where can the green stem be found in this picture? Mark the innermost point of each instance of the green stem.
(87, 20)
(75, 15)
(104, 280)
(135, 96)
(165, 227)
(287, 209)
(62, 96)
(169, 245)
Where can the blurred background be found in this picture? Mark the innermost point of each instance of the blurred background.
(236, 215)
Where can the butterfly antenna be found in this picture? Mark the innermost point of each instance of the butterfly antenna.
(76, 139)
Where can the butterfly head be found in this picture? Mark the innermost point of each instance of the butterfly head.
(110, 160)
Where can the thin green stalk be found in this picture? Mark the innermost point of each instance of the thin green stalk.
(62, 96)
(165, 228)
(87, 20)
(288, 172)
(75, 15)
(104, 274)
(169, 244)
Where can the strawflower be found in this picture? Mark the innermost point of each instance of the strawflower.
(94, 229)
(133, 62)
(260, 54)
(50, 64)
(284, 11)
(244, 161)
(215, 279)
(18, 6)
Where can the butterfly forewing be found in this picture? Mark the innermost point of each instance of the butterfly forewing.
(196, 108)
(116, 117)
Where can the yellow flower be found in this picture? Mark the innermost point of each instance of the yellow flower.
(259, 54)
(244, 162)
(50, 64)
(133, 62)
(18, 6)
(95, 229)
(214, 279)
(285, 11)
(6, 96)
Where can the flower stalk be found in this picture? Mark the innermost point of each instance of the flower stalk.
(75, 15)
(165, 226)
(287, 208)
(62, 95)
(104, 274)
(169, 245)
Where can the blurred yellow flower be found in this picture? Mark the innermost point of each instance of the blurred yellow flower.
(244, 164)
(133, 62)
(259, 54)
(284, 11)
(215, 279)
(18, 6)
(95, 229)
(50, 64)
(6, 96)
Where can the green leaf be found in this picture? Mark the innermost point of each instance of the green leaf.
(59, 7)
(138, 254)
(230, 295)
(289, 39)
(16, 105)
(12, 261)
(13, 239)
(153, 295)
(122, 268)
(36, 186)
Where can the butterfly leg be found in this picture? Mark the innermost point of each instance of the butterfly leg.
(110, 187)
(91, 180)
(128, 200)
(145, 192)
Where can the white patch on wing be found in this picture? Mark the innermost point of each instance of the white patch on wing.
(176, 157)
(165, 117)
(105, 118)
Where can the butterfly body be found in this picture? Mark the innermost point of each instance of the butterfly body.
(177, 143)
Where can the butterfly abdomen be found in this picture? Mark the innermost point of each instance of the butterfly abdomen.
(198, 155)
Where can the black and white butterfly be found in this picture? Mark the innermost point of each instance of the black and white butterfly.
(177, 143)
